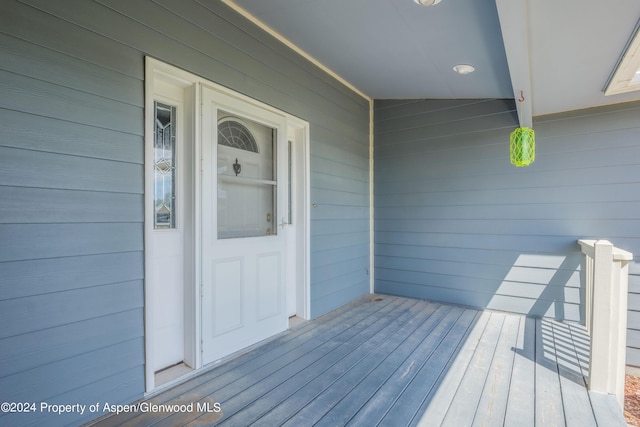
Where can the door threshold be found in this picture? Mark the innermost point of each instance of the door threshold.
(295, 322)
(171, 374)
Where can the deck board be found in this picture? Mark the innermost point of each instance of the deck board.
(493, 401)
(393, 361)
(416, 374)
(318, 376)
(394, 367)
(436, 403)
(325, 327)
(465, 403)
(520, 409)
(303, 396)
(251, 377)
(400, 341)
(549, 409)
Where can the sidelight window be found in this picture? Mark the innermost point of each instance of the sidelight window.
(164, 148)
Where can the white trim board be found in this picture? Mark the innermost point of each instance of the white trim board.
(242, 11)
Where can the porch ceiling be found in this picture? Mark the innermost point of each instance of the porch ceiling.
(560, 54)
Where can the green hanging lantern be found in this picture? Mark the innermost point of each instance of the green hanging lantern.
(522, 146)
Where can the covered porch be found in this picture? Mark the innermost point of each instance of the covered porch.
(387, 360)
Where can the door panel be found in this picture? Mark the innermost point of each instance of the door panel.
(268, 278)
(228, 290)
(243, 298)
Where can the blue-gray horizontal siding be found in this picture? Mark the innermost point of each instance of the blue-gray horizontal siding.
(71, 181)
(456, 222)
(601, 147)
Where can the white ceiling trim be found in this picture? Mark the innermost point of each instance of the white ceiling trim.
(514, 23)
(294, 47)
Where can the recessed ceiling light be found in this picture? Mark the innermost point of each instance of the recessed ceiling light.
(427, 2)
(464, 69)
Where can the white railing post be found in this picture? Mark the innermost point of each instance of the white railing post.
(601, 338)
(621, 294)
(606, 315)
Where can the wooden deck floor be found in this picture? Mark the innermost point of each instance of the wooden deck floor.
(392, 361)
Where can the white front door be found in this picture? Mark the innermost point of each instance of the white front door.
(244, 211)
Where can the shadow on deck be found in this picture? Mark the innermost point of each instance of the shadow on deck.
(392, 361)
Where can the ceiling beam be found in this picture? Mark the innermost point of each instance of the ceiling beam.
(514, 23)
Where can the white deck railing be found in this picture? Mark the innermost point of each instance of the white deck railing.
(606, 315)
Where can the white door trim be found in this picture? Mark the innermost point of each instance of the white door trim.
(299, 130)
(158, 73)
(154, 70)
